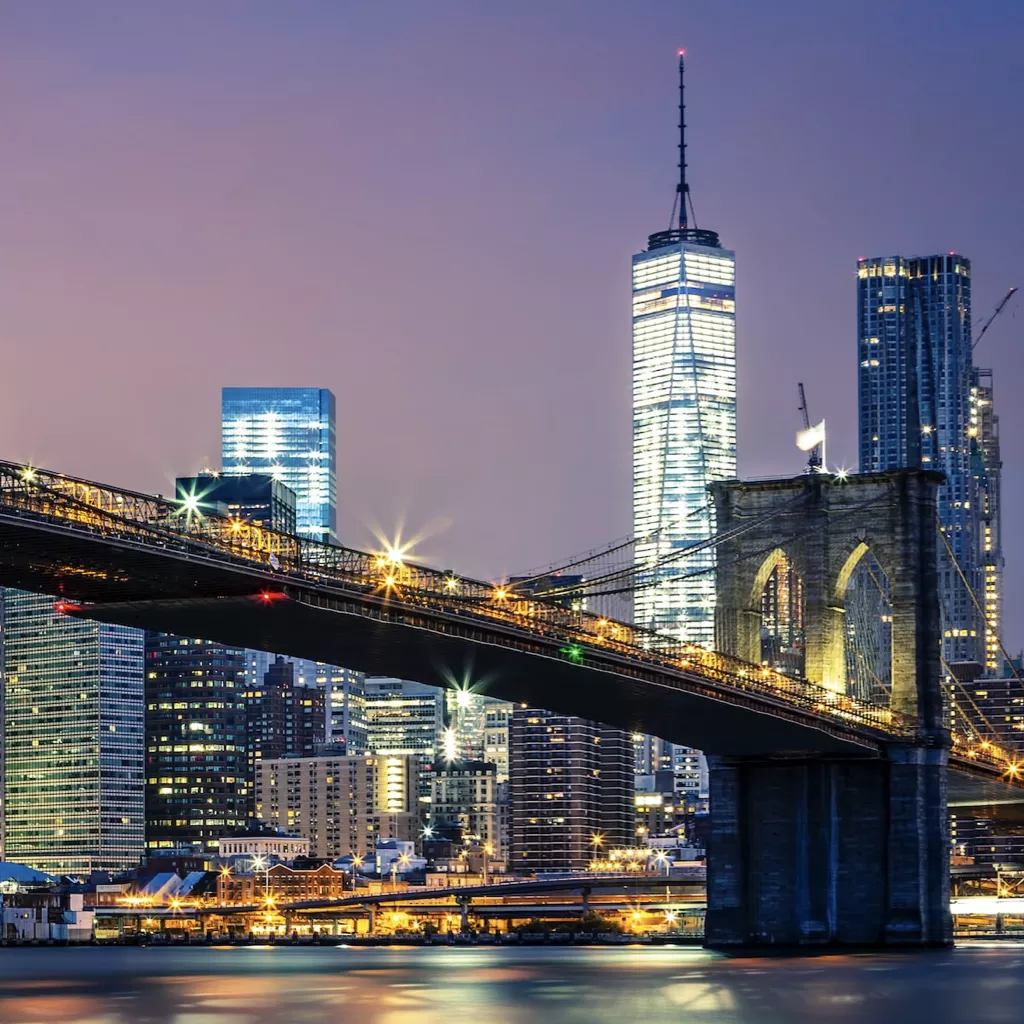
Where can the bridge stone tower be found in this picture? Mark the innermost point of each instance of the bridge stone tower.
(812, 850)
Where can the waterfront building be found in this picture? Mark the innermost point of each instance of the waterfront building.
(341, 804)
(406, 718)
(468, 795)
(281, 718)
(684, 414)
(289, 433)
(198, 786)
(256, 498)
(282, 883)
(571, 788)
(74, 746)
(915, 409)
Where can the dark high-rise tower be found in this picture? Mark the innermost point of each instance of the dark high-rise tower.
(198, 784)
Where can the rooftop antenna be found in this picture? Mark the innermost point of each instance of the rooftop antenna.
(685, 229)
(683, 188)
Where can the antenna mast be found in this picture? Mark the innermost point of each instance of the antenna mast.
(683, 188)
(687, 230)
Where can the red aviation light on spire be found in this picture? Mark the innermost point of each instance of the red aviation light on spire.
(66, 607)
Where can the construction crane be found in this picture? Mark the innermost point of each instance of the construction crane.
(988, 323)
(814, 458)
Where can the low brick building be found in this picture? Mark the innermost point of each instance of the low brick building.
(283, 883)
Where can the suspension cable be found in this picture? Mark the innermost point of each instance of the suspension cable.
(672, 557)
(615, 546)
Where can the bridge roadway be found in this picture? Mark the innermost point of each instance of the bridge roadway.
(141, 560)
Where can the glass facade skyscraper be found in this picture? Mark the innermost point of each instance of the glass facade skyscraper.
(73, 729)
(289, 433)
(915, 409)
(684, 421)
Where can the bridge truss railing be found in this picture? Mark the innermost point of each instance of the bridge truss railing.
(586, 638)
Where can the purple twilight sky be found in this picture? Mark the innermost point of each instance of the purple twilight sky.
(431, 207)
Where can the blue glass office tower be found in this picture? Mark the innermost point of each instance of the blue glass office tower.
(915, 409)
(73, 725)
(290, 434)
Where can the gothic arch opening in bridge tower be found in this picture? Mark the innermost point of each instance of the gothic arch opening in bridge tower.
(779, 589)
(864, 592)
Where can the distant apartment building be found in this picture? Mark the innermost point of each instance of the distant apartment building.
(73, 736)
(281, 718)
(468, 795)
(341, 804)
(406, 718)
(687, 766)
(496, 726)
(198, 783)
(571, 787)
(344, 700)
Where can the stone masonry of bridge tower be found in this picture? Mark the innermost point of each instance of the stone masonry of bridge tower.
(818, 850)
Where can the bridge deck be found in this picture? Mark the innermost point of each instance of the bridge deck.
(134, 559)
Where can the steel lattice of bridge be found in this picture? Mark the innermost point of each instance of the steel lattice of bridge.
(139, 560)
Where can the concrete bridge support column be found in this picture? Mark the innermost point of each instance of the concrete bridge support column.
(826, 851)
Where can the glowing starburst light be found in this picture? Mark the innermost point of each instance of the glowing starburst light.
(451, 747)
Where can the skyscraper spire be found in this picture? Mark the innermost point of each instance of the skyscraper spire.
(682, 188)
(685, 229)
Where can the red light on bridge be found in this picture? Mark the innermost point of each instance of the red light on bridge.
(64, 607)
(267, 596)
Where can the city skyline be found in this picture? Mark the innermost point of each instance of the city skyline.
(335, 207)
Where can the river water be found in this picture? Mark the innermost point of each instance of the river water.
(256, 985)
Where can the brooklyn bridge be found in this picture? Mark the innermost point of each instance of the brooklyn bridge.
(829, 810)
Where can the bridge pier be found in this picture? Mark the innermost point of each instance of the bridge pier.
(826, 851)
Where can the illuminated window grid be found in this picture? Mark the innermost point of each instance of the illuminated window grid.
(684, 422)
